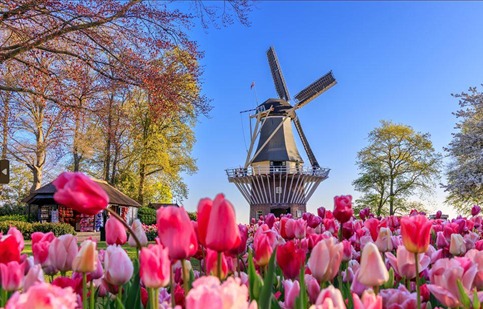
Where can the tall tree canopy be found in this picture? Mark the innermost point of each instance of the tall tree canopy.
(397, 162)
(465, 171)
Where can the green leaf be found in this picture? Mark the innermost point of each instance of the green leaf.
(390, 282)
(476, 300)
(252, 274)
(266, 294)
(464, 299)
(133, 292)
(302, 300)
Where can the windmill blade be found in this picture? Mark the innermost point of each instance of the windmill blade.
(277, 75)
(315, 89)
(305, 143)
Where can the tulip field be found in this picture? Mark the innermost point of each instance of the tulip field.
(332, 259)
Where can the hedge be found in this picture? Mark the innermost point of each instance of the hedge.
(147, 215)
(22, 218)
(28, 228)
(7, 210)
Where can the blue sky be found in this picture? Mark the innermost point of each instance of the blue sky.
(397, 61)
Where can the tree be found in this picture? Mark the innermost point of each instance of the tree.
(465, 171)
(397, 163)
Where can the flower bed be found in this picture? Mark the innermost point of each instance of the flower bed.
(329, 260)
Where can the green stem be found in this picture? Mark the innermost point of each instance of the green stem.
(91, 297)
(171, 283)
(85, 301)
(340, 233)
(185, 278)
(156, 298)
(119, 296)
(152, 305)
(3, 297)
(218, 266)
(128, 228)
(416, 258)
(62, 273)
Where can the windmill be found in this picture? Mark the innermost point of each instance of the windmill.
(274, 179)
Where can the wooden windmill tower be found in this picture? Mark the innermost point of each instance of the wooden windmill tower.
(274, 179)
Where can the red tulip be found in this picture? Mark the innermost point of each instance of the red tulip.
(416, 232)
(176, 232)
(290, 259)
(79, 192)
(286, 228)
(343, 208)
(9, 249)
(18, 236)
(223, 233)
(115, 232)
(204, 209)
(154, 266)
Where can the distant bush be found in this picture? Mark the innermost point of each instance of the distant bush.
(147, 215)
(151, 231)
(22, 218)
(193, 216)
(27, 228)
(7, 210)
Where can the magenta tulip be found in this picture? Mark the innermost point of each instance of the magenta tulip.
(115, 232)
(79, 192)
(203, 219)
(222, 233)
(290, 259)
(343, 208)
(12, 276)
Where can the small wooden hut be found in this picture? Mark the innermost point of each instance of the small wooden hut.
(47, 210)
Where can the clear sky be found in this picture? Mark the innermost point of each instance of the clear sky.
(397, 61)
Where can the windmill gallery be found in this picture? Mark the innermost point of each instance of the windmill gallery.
(274, 179)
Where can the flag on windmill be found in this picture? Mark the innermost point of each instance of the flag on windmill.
(252, 85)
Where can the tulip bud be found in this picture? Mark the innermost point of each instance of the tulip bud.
(115, 232)
(62, 252)
(457, 246)
(12, 276)
(384, 241)
(343, 208)
(137, 227)
(86, 259)
(118, 267)
(372, 272)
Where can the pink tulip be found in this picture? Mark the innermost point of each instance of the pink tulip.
(475, 210)
(86, 259)
(242, 247)
(40, 246)
(18, 237)
(115, 232)
(222, 233)
(263, 244)
(176, 232)
(43, 296)
(372, 272)
(300, 228)
(313, 288)
(330, 298)
(343, 208)
(35, 275)
(287, 228)
(79, 192)
(384, 241)
(292, 291)
(457, 245)
(369, 300)
(399, 298)
(204, 210)
(415, 232)
(138, 230)
(404, 263)
(290, 259)
(154, 266)
(12, 276)
(441, 241)
(9, 249)
(207, 291)
(212, 264)
(62, 252)
(118, 267)
(325, 259)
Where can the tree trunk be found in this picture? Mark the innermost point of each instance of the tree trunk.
(107, 159)
(37, 177)
(142, 177)
(6, 110)
(76, 155)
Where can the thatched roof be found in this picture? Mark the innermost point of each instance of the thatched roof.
(45, 195)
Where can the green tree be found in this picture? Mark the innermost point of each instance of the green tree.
(465, 171)
(397, 163)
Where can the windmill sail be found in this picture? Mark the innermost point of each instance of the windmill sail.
(277, 75)
(315, 89)
(305, 143)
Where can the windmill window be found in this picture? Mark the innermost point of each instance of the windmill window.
(259, 214)
(278, 190)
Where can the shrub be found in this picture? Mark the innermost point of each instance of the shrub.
(22, 218)
(193, 215)
(147, 215)
(151, 231)
(8, 210)
(27, 228)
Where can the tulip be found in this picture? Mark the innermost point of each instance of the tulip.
(416, 232)
(300, 228)
(176, 232)
(9, 249)
(118, 267)
(313, 288)
(343, 208)
(34, 275)
(287, 228)
(62, 252)
(18, 237)
(43, 296)
(86, 259)
(154, 266)
(115, 232)
(222, 233)
(203, 219)
(475, 210)
(269, 220)
(372, 271)
(457, 245)
(384, 241)
(12, 275)
(441, 241)
(290, 259)
(325, 259)
(263, 245)
(398, 298)
(139, 232)
(313, 221)
(330, 298)
(369, 300)
(74, 283)
(321, 212)
(404, 263)
(40, 246)
(212, 264)
(79, 192)
(292, 291)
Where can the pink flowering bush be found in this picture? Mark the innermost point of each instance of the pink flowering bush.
(341, 260)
